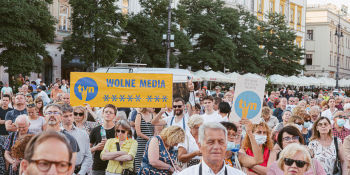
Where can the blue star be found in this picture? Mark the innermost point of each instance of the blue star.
(106, 98)
(137, 98)
(164, 98)
(149, 98)
(130, 98)
(156, 99)
(114, 97)
(122, 98)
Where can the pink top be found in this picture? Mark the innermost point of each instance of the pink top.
(275, 170)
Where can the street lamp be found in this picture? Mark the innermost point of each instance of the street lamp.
(339, 34)
(169, 37)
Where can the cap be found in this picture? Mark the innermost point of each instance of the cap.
(205, 87)
(217, 87)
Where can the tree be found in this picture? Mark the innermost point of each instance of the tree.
(25, 27)
(145, 30)
(96, 32)
(282, 55)
(203, 22)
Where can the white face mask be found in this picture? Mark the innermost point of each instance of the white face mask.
(300, 127)
(260, 139)
(230, 146)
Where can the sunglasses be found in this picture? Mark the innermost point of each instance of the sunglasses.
(299, 163)
(340, 116)
(177, 106)
(80, 114)
(120, 131)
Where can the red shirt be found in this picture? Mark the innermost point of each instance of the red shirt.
(265, 156)
(342, 134)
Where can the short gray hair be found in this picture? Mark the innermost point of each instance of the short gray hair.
(21, 118)
(195, 120)
(121, 115)
(52, 105)
(210, 125)
(66, 108)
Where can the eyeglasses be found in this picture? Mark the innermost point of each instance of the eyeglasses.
(45, 165)
(299, 163)
(31, 105)
(52, 113)
(340, 116)
(287, 139)
(177, 106)
(322, 124)
(80, 114)
(291, 101)
(120, 131)
(109, 112)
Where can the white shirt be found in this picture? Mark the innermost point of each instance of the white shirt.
(213, 117)
(168, 114)
(194, 170)
(190, 144)
(327, 113)
(64, 88)
(44, 97)
(179, 123)
(347, 124)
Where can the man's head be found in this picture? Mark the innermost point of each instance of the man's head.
(224, 108)
(31, 110)
(40, 159)
(5, 100)
(22, 123)
(217, 101)
(55, 86)
(63, 81)
(339, 119)
(291, 101)
(208, 103)
(109, 112)
(212, 142)
(67, 117)
(53, 113)
(20, 99)
(217, 89)
(179, 106)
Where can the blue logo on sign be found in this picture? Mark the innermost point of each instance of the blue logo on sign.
(86, 89)
(247, 104)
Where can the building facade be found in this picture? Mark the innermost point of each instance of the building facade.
(321, 45)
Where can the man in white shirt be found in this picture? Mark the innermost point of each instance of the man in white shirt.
(210, 115)
(212, 143)
(43, 95)
(179, 119)
(64, 86)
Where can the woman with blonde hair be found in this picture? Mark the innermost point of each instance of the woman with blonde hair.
(294, 160)
(80, 118)
(262, 135)
(326, 148)
(121, 150)
(159, 157)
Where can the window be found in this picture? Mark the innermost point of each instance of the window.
(308, 59)
(330, 36)
(260, 6)
(310, 34)
(292, 13)
(281, 9)
(125, 7)
(272, 6)
(299, 17)
(63, 18)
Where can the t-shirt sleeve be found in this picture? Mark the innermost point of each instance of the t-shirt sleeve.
(92, 136)
(133, 149)
(9, 115)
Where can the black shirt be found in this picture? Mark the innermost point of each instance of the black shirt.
(95, 138)
(2, 116)
(12, 115)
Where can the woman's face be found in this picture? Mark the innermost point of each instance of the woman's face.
(323, 126)
(239, 128)
(286, 116)
(121, 133)
(260, 130)
(331, 103)
(231, 135)
(288, 139)
(78, 115)
(39, 104)
(293, 169)
(324, 107)
(194, 130)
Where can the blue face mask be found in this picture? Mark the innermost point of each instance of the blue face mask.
(307, 124)
(230, 146)
(340, 122)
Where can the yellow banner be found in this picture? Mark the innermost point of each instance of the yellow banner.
(121, 89)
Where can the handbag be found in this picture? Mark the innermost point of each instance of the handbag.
(125, 171)
(176, 172)
(337, 165)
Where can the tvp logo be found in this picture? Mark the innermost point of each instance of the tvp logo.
(247, 104)
(85, 89)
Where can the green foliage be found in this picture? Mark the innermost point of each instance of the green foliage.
(96, 32)
(145, 30)
(282, 56)
(25, 27)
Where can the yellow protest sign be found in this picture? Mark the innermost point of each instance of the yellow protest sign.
(121, 89)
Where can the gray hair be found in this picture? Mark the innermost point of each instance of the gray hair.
(195, 120)
(210, 125)
(67, 108)
(121, 115)
(52, 105)
(22, 118)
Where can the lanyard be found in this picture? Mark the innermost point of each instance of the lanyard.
(200, 169)
(183, 122)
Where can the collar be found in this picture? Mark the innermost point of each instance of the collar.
(208, 170)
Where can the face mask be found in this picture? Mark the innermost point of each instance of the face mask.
(340, 122)
(260, 139)
(307, 124)
(230, 146)
(300, 127)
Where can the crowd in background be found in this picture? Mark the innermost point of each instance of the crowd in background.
(297, 134)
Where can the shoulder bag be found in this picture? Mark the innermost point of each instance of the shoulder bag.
(337, 165)
(125, 171)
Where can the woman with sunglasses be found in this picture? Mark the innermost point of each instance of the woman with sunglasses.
(80, 119)
(289, 135)
(322, 144)
(294, 160)
(121, 150)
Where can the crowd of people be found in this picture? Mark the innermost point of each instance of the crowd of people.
(41, 133)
